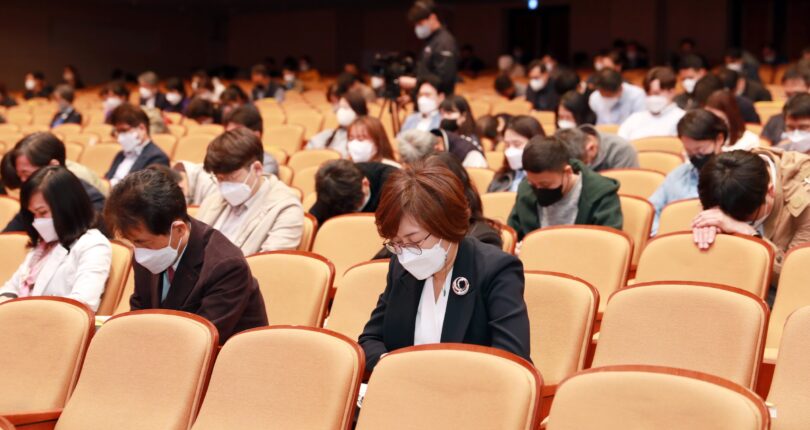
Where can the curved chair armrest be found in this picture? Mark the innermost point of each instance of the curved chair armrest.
(38, 418)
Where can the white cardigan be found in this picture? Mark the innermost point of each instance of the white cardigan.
(80, 274)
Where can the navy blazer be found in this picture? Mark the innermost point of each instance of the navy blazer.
(71, 116)
(492, 313)
(151, 154)
(160, 101)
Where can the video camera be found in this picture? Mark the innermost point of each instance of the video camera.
(391, 66)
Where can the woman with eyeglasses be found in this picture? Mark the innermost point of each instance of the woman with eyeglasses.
(442, 286)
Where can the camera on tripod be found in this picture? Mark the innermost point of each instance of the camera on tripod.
(391, 66)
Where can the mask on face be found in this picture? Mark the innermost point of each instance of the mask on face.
(174, 98)
(548, 196)
(796, 136)
(598, 66)
(235, 193)
(514, 156)
(157, 260)
(195, 85)
(549, 67)
(30, 84)
(449, 124)
(377, 82)
(145, 93)
(689, 85)
(564, 124)
(699, 160)
(737, 67)
(426, 105)
(422, 31)
(537, 84)
(129, 140)
(345, 116)
(361, 151)
(46, 229)
(656, 104)
(289, 78)
(426, 264)
(111, 103)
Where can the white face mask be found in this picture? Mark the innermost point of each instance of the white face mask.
(598, 66)
(426, 105)
(289, 78)
(737, 67)
(514, 156)
(564, 123)
(157, 260)
(422, 31)
(46, 229)
(656, 104)
(345, 116)
(377, 82)
(537, 84)
(796, 136)
(174, 98)
(235, 193)
(426, 264)
(145, 93)
(689, 85)
(111, 103)
(30, 84)
(129, 140)
(361, 151)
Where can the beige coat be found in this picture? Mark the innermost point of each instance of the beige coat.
(199, 183)
(788, 225)
(275, 222)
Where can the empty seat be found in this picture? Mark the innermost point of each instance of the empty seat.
(678, 216)
(15, 248)
(310, 119)
(702, 327)
(659, 161)
(638, 217)
(347, 240)
(9, 207)
(166, 142)
(288, 137)
(311, 158)
(283, 378)
(119, 272)
(509, 239)
(498, 206)
(361, 287)
(793, 293)
(651, 397)
(659, 143)
(452, 386)
(636, 182)
(285, 174)
(789, 389)
(738, 261)
(480, 178)
(303, 179)
(99, 158)
(192, 148)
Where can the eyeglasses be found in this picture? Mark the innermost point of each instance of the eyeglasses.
(397, 248)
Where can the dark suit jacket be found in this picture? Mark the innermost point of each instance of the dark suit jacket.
(213, 280)
(68, 117)
(150, 155)
(492, 313)
(376, 173)
(160, 101)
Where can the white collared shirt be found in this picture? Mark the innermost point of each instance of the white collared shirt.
(644, 124)
(430, 313)
(231, 222)
(126, 164)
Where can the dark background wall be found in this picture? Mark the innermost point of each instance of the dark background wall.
(175, 36)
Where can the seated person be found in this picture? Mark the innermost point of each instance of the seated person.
(181, 263)
(417, 145)
(541, 93)
(131, 129)
(36, 86)
(249, 117)
(63, 96)
(508, 88)
(519, 131)
(263, 85)
(796, 112)
(560, 190)
(723, 104)
(344, 187)
(491, 129)
(368, 142)
(429, 97)
(710, 84)
(70, 76)
(351, 105)
(691, 69)
(232, 97)
(69, 257)
(760, 193)
(350, 82)
(465, 149)
(795, 81)
(574, 111)
(176, 100)
(202, 111)
(661, 116)
(599, 151)
(737, 83)
(290, 81)
(457, 118)
(615, 100)
(6, 99)
(702, 134)
(149, 91)
(38, 150)
(255, 212)
(424, 215)
(112, 96)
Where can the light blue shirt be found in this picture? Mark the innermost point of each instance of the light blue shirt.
(680, 184)
(520, 175)
(416, 120)
(631, 101)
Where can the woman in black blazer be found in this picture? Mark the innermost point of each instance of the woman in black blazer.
(441, 286)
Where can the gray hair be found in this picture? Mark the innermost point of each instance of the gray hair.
(148, 78)
(575, 140)
(415, 145)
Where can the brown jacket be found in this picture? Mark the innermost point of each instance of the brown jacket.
(213, 280)
(788, 225)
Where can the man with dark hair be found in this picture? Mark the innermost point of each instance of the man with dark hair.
(256, 212)
(66, 114)
(36, 86)
(737, 83)
(440, 55)
(540, 92)
(151, 97)
(428, 98)
(702, 134)
(743, 63)
(344, 187)
(614, 100)
(711, 83)
(507, 88)
(131, 129)
(113, 94)
(797, 124)
(795, 81)
(181, 263)
(762, 193)
(559, 190)
(347, 82)
(661, 116)
(597, 150)
(249, 117)
(263, 85)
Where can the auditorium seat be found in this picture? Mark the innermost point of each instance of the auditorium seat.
(651, 397)
(283, 377)
(509, 239)
(304, 179)
(311, 158)
(455, 386)
(11, 138)
(278, 154)
(42, 345)
(309, 231)
(119, 272)
(789, 389)
(288, 137)
(103, 131)
(347, 240)
(129, 289)
(678, 216)
(173, 117)
(143, 370)
(310, 119)
(480, 178)
(15, 248)
(9, 207)
(518, 106)
(767, 109)
(498, 205)
(695, 326)
(19, 117)
(212, 130)
(601, 256)
(738, 261)
(295, 286)
(659, 143)
(357, 297)
(6, 425)
(495, 160)
(99, 158)
(480, 108)
(607, 128)
(166, 142)
(638, 217)
(660, 161)
(309, 201)
(636, 182)
(793, 293)
(192, 210)
(9, 128)
(192, 148)
(285, 174)
(177, 130)
(66, 129)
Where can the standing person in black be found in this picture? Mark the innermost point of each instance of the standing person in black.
(440, 55)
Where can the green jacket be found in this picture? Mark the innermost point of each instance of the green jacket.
(598, 204)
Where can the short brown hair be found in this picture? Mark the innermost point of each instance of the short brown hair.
(233, 150)
(433, 196)
(129, 114)
(664, 75)
(377, 132)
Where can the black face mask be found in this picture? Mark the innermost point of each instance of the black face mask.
(699, 160)
(449, 125)
(547, 197)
